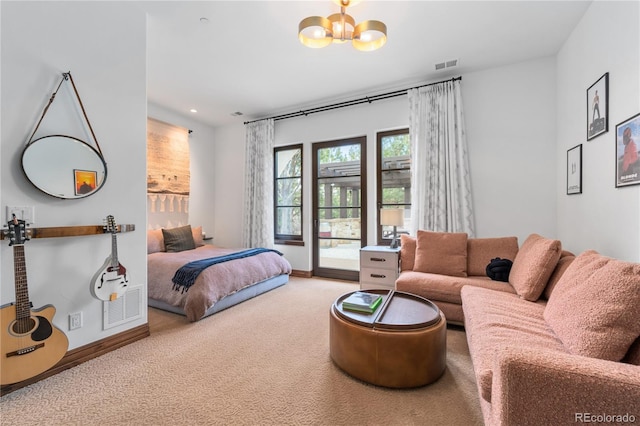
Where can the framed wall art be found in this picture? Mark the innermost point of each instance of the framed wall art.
(627, 152)
(574, 170)
(598, 107)
(84, 181)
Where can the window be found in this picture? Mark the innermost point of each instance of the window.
(288, 194)
(394, 179)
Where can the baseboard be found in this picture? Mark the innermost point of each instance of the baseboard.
(84, 353)
(301, 274)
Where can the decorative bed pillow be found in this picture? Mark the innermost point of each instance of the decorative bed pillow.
(533, 265)
(594, 308)
(480, 251)
(198, 239)
(441, 253)
(178, 239)
(155, 241)
(407, 252)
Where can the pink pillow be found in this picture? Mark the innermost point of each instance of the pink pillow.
(441, 253)
(594, 308)
(198, 239)
(533, 265)
(565, 260)
(407, 252)
(155, 241)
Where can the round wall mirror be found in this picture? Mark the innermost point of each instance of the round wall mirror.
(64, 167)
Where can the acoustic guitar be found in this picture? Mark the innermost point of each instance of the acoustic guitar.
(30, 344)
(111, 281)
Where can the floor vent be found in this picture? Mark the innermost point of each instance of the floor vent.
(127, 307)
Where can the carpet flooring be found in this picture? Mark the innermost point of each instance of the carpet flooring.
(263, 362)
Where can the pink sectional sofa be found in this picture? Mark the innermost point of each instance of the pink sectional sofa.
(558, 344)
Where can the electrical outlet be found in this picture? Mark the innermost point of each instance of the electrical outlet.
(25, 213)
(75, 320)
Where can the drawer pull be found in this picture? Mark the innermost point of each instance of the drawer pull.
(378, 276)
(377, 259)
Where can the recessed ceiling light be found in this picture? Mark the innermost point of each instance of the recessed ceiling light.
(193, 110)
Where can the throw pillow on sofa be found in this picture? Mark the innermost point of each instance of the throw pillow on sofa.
(594, 308)
(441, 253)
(533, 265)
(565, 260)
(407, 252)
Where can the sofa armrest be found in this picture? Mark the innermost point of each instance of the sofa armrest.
(545, 387)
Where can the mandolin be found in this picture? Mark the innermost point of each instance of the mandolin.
(30, 343)
(111, 281)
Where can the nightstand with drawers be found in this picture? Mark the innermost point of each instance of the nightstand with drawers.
(379, 267)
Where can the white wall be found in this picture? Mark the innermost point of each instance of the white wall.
(201, 154)
(510, 119)
(228, 185)
(512, 161)
(103, 44)
(603, 217)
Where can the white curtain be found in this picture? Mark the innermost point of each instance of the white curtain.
(441, 186)
(258, 199)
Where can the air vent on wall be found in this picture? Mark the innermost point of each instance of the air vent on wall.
(447, 64)
(125, 308)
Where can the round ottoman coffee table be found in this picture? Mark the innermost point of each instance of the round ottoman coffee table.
(401, 345)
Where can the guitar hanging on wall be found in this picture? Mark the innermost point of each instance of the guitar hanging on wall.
(30, 343)
(111, 281)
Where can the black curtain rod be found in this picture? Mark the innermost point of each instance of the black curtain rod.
(366, 99)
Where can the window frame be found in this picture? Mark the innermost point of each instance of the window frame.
(379, 204)
(288, 239)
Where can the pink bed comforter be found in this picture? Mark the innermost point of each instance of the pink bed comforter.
(214, 283)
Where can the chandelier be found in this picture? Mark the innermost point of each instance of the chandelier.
(317, 31)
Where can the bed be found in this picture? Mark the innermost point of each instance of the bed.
(242, 275)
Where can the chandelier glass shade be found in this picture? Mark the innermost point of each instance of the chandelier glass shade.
(317, 31)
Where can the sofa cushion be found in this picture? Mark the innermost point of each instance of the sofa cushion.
(445, 288)
(480, 251)
(594, 308)
(497, 323)
(533, 265)
(566, 258)
(441, 253)
(407, 252)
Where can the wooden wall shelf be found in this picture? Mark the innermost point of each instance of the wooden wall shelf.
(69, 231)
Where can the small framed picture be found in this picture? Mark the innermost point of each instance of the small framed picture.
(598, 107)
(84, 181)
(627, 152)
(574, 170)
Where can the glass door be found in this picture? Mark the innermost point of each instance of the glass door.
(339, 207)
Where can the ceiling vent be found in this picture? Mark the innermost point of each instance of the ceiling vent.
(447, 64)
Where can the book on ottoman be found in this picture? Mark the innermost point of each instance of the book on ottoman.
(362, 301)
